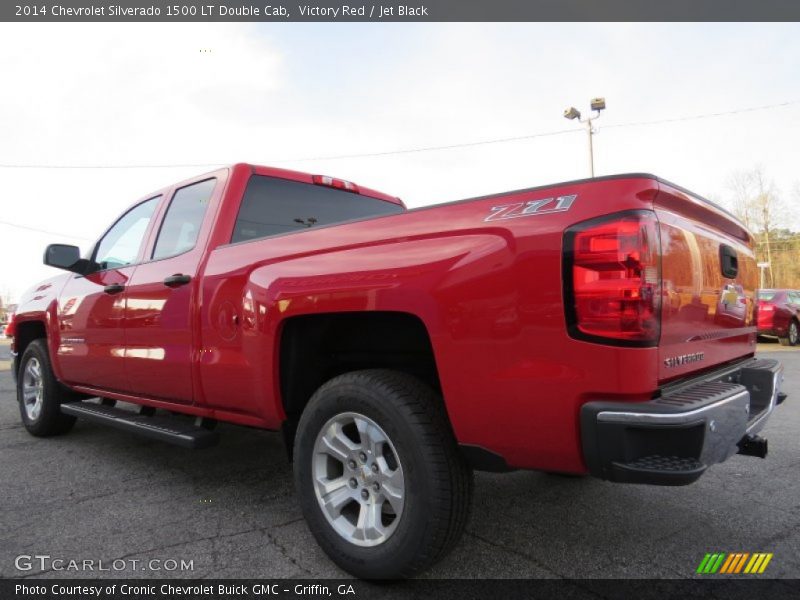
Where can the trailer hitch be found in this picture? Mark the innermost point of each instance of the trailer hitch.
(753, 445)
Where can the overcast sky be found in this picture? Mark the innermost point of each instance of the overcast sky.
(141, 94)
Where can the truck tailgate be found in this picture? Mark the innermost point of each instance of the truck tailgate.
(709, 280)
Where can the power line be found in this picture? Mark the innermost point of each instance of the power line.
(413, 150)
(305, 159)
(432, 148)
(705, 116)
(36, 229)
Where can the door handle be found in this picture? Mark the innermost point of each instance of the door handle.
(114, 288)
(728, 262)
(177, 280)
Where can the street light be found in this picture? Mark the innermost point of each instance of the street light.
(763, 266)
(572, 113)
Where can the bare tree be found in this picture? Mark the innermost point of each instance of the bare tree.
(765, 202)
(755, 200)
(740, 184)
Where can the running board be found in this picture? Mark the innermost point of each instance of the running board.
(172, 430)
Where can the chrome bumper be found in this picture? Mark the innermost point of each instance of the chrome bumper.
(674, 438)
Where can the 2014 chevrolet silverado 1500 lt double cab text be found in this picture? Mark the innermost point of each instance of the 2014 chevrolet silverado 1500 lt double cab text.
(603, 326)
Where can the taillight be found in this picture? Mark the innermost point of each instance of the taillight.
(339, 184)
(765, 313)
(612, 279)
(9, 332)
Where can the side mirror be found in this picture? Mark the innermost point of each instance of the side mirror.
(64, 256)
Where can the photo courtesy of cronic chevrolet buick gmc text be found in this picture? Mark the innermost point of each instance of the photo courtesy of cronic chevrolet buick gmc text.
(603, 327)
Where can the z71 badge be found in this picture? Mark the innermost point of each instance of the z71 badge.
(531, 208)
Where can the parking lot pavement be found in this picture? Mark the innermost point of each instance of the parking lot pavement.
(101, 494)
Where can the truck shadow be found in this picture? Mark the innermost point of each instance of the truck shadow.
(523, 524)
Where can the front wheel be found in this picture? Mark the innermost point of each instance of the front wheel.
(382, 484)
(792, 335)
(40, 394)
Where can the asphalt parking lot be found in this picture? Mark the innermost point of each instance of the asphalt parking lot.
(100, 494)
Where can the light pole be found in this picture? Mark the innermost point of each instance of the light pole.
(763, 266)
(572, 113)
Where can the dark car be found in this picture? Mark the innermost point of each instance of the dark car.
(777, 315)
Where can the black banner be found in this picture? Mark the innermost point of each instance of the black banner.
(566, 589)
(410, 10)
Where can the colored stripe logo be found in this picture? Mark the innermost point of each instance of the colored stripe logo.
(734, 563)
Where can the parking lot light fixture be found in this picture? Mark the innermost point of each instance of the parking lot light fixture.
(572, 113)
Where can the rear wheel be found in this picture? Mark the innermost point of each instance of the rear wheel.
(382, 484)
(40, 394)
(792, 335)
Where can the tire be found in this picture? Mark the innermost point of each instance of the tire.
(40, 394)
(792, 335)
(409, 447)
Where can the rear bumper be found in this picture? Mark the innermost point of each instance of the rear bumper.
(673, 439)
(772, 332)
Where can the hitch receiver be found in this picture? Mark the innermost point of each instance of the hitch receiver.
(753, 445)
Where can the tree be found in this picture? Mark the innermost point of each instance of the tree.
(755, 200)
(740, 184)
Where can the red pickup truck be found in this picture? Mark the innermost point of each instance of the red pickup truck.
(603, 326)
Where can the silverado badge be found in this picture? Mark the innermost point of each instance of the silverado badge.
(684, 359)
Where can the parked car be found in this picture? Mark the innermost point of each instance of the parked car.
(8, 327)
(397, 350)
(778, 315)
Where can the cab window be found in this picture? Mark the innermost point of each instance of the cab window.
(120, 245)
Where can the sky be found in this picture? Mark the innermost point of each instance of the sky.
(297, 95)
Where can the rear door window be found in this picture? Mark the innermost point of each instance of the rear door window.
(181, 224)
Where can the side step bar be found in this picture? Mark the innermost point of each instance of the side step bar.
(173, 430)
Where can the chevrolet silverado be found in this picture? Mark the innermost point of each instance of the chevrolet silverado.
(603, 327)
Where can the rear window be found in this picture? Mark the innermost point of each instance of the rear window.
(273, 206)
(766, 294)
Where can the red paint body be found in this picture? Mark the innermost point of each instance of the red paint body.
(489, 293)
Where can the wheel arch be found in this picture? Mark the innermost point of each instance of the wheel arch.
(314, 348)
(25, 332)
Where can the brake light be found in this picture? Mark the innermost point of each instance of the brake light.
(765, 314)
(612, 279)
(339, 184)
(9, 332)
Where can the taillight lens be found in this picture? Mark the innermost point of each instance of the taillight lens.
(764, 314)
(612, 279)
(9, 332)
